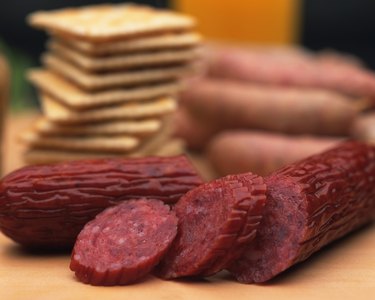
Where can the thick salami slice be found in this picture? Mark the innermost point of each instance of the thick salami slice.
(123, 243)
(310, 204)
(216, 221)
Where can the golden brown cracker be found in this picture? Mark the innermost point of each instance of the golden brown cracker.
(165, 147)
(139, 128)
(93, 81)
(87, 143)
(159, 144)
(69, 94)
(36, 156)
(149, 43)
(150, 145)
(45, 156)
(57, 112)
(122, 62)
(110, 21)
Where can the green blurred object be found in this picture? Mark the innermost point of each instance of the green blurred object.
(22, 96)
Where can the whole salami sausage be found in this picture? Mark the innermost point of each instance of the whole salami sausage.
(310, 204)
(47, 206)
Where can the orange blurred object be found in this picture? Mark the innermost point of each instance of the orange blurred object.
(256, 21)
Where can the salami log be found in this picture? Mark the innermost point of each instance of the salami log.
(123, 243)
(46, 206)
(310, 204)
(195, 132)
(216, 221)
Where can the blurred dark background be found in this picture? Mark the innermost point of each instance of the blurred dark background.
(343, 25)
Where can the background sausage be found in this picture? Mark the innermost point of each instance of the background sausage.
(196, 133)
(228, 104)
(364, 127)
(241, 151)
(294, 70)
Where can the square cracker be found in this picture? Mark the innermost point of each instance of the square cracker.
(59, 113)
(118, 144)
(110, 22)
(125, 61)
(36, 156)
(141, 44)
(139, 128)
(45, 156)
(159, 144)
(69, 94)
(118, 79)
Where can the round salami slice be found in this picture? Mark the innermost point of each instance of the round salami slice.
(216, 221)
(123, 243)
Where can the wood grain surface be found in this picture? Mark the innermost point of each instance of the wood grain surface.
(343, 270)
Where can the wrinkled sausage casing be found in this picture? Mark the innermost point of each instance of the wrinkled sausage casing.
(47, 206)
(310, 204)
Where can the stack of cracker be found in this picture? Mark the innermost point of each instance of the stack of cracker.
(109, 81)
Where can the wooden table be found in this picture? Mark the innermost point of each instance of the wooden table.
(344, 270)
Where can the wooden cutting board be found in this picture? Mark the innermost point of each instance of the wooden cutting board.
(344, 270)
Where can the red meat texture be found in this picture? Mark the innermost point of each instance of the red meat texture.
(310, 204)
(47, 206)
(216, 221)
(123, 243)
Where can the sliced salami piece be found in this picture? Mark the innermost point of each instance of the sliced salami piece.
(123, 243)
(216, 221)
(310, 204)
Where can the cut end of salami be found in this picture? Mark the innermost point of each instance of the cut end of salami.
(216, 221)
(278, 236)
(310, 204)
(123, 243)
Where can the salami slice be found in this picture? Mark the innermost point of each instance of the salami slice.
(310, 204)
(216, 221)
(123, 243)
